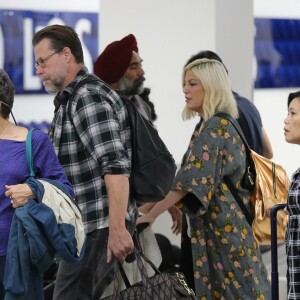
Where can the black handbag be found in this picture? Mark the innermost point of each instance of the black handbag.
(153, 167)
(166, 286)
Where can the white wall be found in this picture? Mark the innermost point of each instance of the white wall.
(234, 42)
(168, 33)
(166, 39)
(277, 9)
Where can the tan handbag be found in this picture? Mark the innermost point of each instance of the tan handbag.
(271, 188)
(268, 183)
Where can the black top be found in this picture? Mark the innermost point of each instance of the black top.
(250, 122)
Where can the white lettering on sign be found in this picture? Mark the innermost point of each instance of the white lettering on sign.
(81, 27)
(31, 82)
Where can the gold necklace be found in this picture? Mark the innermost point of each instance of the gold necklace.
(4, 131)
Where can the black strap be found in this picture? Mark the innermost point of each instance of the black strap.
(138, 254)
(132, 256)
(236, 125)
(232, 189)
(239, 201)
(124, 276)
(61, 98)
(82, 82)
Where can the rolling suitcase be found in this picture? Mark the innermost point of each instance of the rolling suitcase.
(274, 254)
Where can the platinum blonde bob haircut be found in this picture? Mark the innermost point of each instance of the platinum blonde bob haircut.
(215, 82)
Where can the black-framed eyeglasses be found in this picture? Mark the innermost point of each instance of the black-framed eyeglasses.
(41, 62)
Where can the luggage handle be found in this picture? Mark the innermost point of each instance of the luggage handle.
(139, 255)
(274, 255)
(145, 279)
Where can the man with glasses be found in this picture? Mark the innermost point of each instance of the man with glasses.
(93, 145)
(41, 62)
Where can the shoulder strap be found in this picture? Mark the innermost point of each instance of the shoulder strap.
(239, 201)
(233, 191)
(236, 125)
(139, 255)
(132, 112)
(82, 82)
(29, 154)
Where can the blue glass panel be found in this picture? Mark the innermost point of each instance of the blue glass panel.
(277, 52)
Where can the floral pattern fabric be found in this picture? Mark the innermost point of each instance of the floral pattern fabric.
(227, 261)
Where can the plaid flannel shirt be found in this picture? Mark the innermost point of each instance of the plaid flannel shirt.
(99, 144)
(292, 238)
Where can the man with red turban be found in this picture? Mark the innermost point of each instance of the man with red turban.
(120, 65)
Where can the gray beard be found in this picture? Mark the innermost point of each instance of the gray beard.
(130, 88)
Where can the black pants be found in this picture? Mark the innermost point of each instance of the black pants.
(186, 257)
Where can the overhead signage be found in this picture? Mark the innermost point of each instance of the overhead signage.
(17, 28)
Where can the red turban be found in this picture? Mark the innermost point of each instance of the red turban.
(112, 63)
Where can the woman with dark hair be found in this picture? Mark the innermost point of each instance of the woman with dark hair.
(15, 192)
(292, 135)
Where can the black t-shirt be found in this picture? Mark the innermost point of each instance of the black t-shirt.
(250, 122)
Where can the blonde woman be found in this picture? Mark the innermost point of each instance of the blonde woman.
(226, 259)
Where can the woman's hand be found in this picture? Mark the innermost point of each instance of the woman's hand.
(171, 199)
(18, 194)
(147, 218)
(176, 218)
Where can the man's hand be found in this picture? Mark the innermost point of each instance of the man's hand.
(177, 219)
(120, 244)
(18, 194)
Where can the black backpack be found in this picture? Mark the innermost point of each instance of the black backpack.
(153, 167)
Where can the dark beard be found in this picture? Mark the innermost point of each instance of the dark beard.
(135, 88)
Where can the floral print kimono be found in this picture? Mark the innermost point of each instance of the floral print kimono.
(226, 259)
